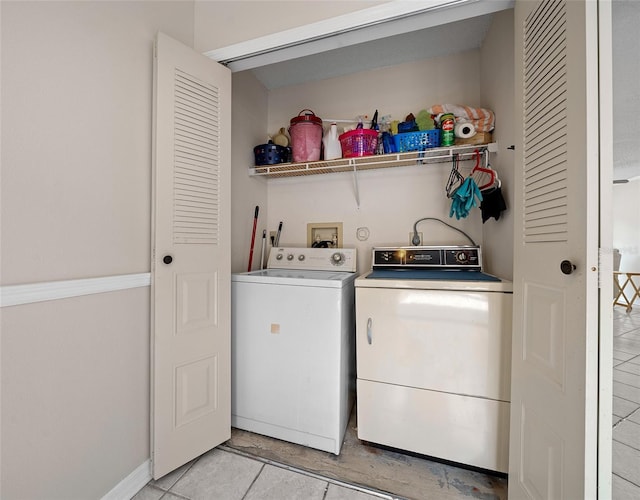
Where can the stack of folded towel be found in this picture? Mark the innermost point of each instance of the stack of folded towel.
(482, 119)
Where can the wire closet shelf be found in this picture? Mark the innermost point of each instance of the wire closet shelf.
(432, 155)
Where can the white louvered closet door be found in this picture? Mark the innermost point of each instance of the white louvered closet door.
(553, 438)
(191, 279)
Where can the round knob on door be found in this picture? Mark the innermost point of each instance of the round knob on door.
(167, 259)
(567, 267)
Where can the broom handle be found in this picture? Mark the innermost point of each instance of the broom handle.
(253, 237)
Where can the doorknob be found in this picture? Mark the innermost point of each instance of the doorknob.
(167, 259)
(567, 267)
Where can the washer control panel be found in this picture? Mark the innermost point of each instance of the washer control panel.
(319, 259)
(435, 257)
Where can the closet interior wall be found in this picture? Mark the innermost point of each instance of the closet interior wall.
(391, 200)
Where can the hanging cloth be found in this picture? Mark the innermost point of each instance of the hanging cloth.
(493, 204)
(465, 198)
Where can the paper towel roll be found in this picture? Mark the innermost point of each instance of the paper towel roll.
(464, 130)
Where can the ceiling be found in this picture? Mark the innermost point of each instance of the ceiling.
(389, 51)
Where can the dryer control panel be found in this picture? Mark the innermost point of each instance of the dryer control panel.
(319, 259)
(435, 257)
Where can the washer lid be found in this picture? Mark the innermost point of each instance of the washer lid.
(296, 277)
(411, 280)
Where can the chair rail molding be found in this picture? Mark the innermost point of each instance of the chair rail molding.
(14, 295)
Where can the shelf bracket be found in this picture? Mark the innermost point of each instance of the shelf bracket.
(355, 184)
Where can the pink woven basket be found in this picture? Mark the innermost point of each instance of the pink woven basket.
(359, 142)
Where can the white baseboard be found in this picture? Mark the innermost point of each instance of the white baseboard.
(14, 295)
(132, 484)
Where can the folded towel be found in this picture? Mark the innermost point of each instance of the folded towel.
(482, 119)
(425, 121)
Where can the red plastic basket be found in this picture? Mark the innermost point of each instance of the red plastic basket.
(359, 142)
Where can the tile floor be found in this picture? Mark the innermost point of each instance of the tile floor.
(401, 475)
(626, 403)
(226, 474)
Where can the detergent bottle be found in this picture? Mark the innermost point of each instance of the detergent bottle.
(332, 147)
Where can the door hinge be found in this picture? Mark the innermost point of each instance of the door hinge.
(600, 267)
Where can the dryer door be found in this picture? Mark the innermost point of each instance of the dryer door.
(443, 340)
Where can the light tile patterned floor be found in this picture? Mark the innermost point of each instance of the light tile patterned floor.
(626, 404)
(225, 475)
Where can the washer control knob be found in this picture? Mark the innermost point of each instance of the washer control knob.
(337, 259)
(279, 256)
(301, 257)
(290, 256)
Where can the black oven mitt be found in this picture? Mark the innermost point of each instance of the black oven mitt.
(492, 204)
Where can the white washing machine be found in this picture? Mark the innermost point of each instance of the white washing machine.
(293, 346)
(434, 355)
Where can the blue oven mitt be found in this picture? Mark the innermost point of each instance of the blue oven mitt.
(464, 198)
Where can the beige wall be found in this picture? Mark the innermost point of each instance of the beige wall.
(76, 155)
(497, 90)
(75, 203)
(219, 23)
(391, 200)
(75, 395)
(249, 116)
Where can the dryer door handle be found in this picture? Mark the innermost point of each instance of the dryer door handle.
(369, 333)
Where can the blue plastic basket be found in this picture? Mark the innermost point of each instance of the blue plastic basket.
(417, 141)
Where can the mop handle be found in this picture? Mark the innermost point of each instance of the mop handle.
(277, 240)
(253, 236)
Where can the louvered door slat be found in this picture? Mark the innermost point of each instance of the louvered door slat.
(188, 162)
(189, 174)
(545, 87)
(184, 125)
(196, 169)
(193, 134)
(552, 194)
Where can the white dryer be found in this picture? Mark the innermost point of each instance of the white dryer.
(293, 346)
(434, 355)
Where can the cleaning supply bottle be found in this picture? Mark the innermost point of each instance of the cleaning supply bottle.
(281, 138)
(332, 147)
(447, 124)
